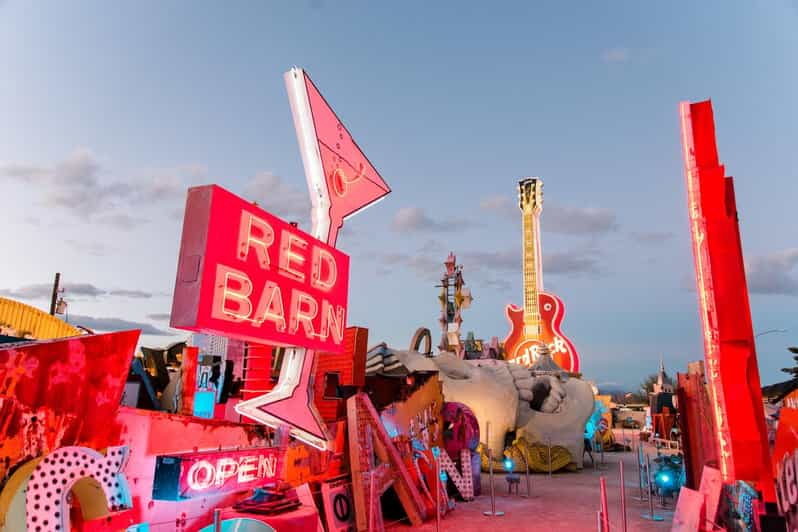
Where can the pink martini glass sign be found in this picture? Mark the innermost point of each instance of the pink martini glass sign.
(341, 179)
(273, 283)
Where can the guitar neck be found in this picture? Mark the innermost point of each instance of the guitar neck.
(532, 271)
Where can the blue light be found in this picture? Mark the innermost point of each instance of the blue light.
(663, 480)
(508, 464)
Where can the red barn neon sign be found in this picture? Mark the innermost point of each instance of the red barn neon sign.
(245, 273)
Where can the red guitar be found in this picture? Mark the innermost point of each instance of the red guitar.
(539, 321)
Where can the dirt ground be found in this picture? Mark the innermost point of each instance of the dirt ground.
(562, 502)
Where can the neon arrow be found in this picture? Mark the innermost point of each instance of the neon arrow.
(290, 402)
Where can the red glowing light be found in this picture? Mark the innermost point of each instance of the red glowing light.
(214, 472)
(732, 371)
(245, 273)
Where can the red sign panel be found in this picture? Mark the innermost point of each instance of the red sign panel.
(209, 473)
(244, 273)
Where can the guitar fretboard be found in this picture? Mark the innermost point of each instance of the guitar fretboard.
(531, 267)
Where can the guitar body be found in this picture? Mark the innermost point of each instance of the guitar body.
(521, 349)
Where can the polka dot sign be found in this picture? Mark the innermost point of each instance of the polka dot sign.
(54, 477)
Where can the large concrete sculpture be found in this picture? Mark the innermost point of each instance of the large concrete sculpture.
(541, 403)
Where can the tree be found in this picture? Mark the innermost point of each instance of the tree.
(793, 371)
(647, 387)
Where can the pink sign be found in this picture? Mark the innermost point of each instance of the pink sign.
(244, 273)
(342, 180)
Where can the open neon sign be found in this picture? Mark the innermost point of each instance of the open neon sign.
(201, 474)
(245, 273)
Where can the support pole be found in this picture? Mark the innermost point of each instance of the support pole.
(605, 516)
(54, 298)
(651, 516)
(549, 445)
(623, 497)
(492, 511)
(217, 520)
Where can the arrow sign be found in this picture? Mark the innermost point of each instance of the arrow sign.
(341, 179)
(342, 182)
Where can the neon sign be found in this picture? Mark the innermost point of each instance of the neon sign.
(341, 179)
(207, 473)
(247, 274)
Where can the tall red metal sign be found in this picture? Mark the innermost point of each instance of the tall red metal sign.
(732, 371)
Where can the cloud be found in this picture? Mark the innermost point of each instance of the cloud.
(271, 193)
(409, 219)
(573, 263)
(499, 204)
(578, 220)
(136, 294)
(79, 185)
(651, 237)
(776, 273)
(115, 324)
(88, 248)
(616, 55)
(557, 218)
(159, 317)
(499, 285)
(505, 260)
(44, 291)
(416, 220)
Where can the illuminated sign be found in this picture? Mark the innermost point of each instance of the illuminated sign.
(731, 364)
(201, 474)
(341, 179)
(247, 274)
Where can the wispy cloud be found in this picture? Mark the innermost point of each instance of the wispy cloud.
(80, 186)
(651, 237)
(776, 273)
(499, 204)
(273, 194)
(415, 219)
(44, 291)
(577, 220)
(557, 218)
(616, 55)
(577, 262)
(116, 324)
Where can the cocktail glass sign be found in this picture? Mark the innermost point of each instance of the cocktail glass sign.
(245, 273)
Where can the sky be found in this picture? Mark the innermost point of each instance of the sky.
(109, 111)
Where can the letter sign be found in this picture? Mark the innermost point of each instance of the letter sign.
(246, 274)
(191, 475)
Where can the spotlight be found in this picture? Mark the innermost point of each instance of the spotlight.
(508, 464)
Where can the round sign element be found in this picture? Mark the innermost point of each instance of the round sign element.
(342, 508)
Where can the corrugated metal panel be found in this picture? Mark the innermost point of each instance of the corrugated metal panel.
(27, 319)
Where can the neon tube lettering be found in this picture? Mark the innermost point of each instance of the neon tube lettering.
(225, 293)
(288, 255)
(248, 240)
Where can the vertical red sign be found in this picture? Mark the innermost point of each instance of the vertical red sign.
(732, 371)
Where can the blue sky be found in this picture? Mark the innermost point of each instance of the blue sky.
(109, 111)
